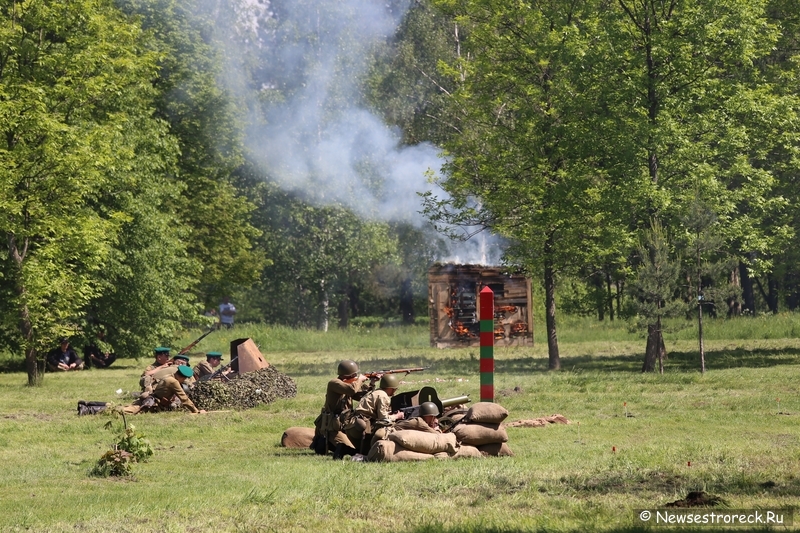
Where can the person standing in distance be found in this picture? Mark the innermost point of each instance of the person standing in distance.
(226, 313)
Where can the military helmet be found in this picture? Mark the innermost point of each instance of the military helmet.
(428, 409)
(347, 368)
(389, 381)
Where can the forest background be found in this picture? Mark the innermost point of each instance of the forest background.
(312, 159)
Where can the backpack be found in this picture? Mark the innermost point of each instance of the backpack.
(91, 408)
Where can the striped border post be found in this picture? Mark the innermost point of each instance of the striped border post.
(487, 345)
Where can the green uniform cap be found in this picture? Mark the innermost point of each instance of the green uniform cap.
(185, 371)
(214, 354)
(162, 349)
(179, 356)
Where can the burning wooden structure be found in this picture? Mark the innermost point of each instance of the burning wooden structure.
(454, 301)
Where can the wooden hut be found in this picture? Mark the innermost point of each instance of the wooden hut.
(454, 301)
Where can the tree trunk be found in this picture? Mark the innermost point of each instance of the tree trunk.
(344, 311)
(747, 289)
(324, 304)
(25, 326)
(599, 299)
(734, 305)
(610, 297)
(407, 302)
(656, 350)
(554, 361)
(771, 297)
(700, 317)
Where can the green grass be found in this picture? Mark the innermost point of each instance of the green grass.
(226, 471)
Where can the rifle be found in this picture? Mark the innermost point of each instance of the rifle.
(192, 345)
(219, 372)
(413, 411)
(395, 371)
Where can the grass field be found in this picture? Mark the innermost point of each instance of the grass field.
(738, 425)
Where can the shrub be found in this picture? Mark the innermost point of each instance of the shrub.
(129, 449)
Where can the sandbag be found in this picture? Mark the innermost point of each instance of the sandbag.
(297, 437)
(416, 424)
(496, 449)
(423, 442)
(486, 413)
(401, 454)
(381, 451)
(468, 452)
(477, 434)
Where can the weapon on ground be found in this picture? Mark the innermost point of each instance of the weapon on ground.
(192, 345)
(219, 371)
(413, 411)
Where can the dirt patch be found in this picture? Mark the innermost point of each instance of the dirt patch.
(696, 499)
(539, 422)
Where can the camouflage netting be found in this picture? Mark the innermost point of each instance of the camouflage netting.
(243, 391)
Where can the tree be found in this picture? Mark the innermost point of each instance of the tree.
(208, 120)
(75, 77)
(320, 256)
(654, 291)
(678, 81)
(708, 266)
(519, 162)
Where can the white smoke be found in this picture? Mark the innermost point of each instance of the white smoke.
(321, 141)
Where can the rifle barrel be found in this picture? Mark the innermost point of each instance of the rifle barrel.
(193, 344)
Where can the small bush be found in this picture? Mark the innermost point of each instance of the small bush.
(130, 448)
(113, 463)
(136, 445)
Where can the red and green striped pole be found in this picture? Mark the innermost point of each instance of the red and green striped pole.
(487, 345)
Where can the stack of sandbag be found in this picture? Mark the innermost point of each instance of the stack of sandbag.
(414, 440)
(481, 427)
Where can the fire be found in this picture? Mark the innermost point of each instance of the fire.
(461, 330)
(520, 328)
(506, 309)
(499, 332)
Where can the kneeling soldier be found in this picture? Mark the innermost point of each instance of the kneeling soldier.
(375, 410)
(169, 392)
(337, 411)
(146, 382)
(206, 368)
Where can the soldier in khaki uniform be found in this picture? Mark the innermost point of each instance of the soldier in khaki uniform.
(337, 411)
(146, 382)
(374, 410)
(206, 368)
(169, 391)
(428, 411)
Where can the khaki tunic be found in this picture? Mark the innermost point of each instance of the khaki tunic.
(376, 406)
(170, 388)
(146, 382)
(203, 368)
(339, 397)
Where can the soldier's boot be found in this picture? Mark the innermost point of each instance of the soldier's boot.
(341, 450)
